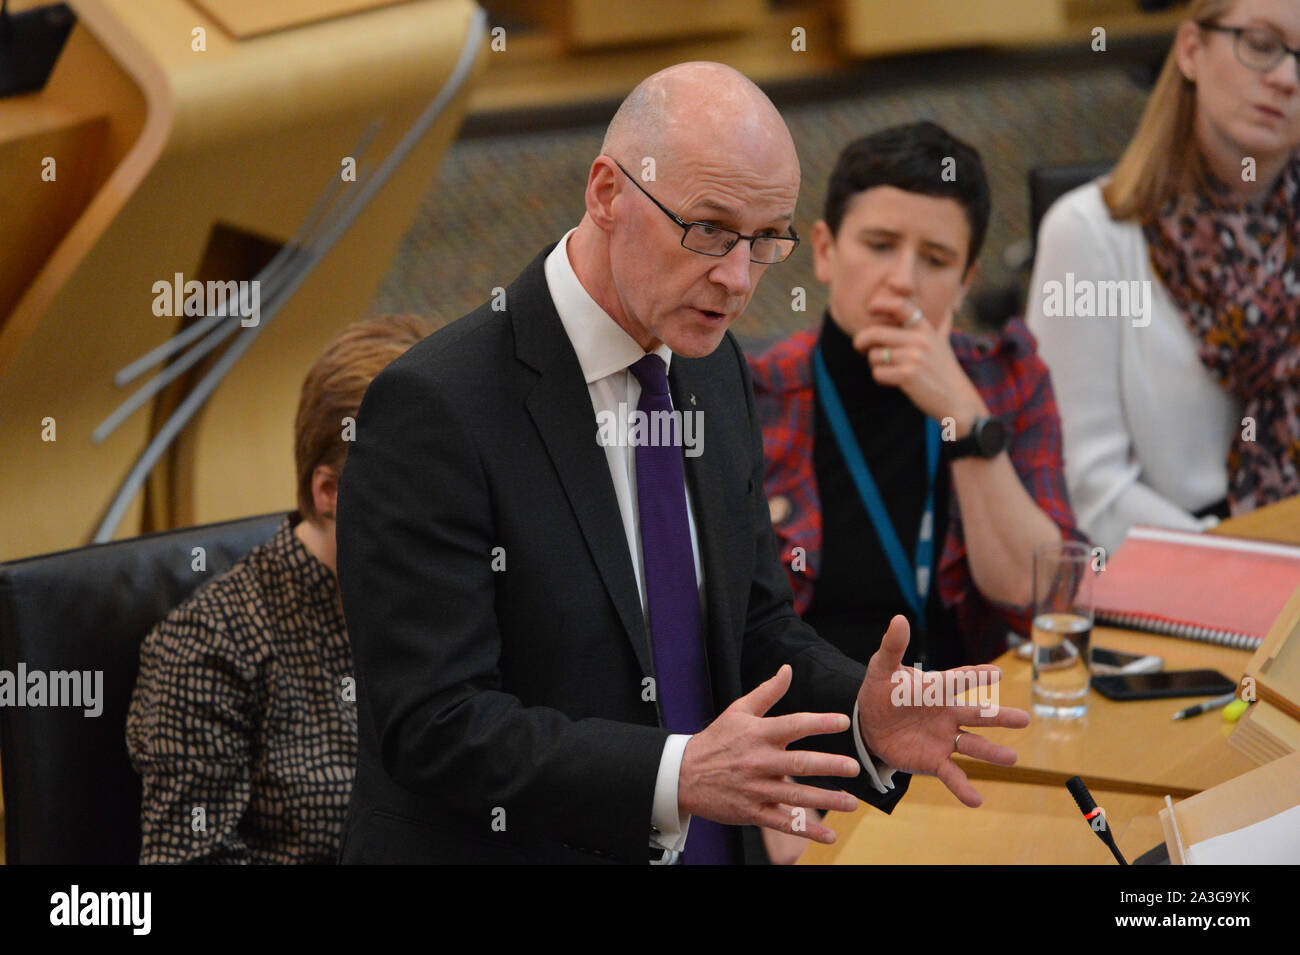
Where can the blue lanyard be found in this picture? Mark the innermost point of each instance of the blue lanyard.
(914, 582)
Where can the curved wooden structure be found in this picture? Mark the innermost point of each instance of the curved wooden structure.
(169, 159)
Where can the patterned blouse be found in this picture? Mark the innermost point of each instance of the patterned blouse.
(243, 724)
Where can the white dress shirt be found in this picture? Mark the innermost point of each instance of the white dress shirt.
(1146, 426)
(605, 351)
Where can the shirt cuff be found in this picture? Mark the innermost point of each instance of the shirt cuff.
(879, 772)
(668, 827)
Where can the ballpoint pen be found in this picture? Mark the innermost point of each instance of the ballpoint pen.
(1213, 704)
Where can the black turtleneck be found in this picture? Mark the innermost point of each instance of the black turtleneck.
(855, 593)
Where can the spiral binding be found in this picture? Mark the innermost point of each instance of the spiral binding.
(1188, 631)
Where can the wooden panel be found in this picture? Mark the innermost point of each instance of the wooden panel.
(545, 65)
(876, 27)
(245, 135)
(87, 118)
(1276, 665)
(1279, 671)
(1018, 824)
(37, 213)
(248, 18)
(1256, 796)
(886, 26)
(1265, 733)
(1272, 726)
(594, 23)
(539, 69)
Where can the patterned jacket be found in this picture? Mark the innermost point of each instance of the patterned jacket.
(242, 709)
(1016, 387)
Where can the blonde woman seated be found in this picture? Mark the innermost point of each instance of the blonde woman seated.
(1178, 387)
(239, 709)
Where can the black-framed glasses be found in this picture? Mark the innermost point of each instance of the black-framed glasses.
(1256, 48)
(708, 239)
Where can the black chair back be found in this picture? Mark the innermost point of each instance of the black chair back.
(1049, 183)
(70, 794)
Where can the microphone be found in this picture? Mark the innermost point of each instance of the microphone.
(1091, 811)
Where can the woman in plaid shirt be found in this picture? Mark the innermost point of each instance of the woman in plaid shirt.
(905, 217)
(886, 380)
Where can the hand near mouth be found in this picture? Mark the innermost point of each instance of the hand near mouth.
(919, 359)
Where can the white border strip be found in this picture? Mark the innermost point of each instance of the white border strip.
(1221, 542)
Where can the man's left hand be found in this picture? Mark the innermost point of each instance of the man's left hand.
(914, 731)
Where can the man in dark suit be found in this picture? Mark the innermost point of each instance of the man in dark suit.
(566, 630)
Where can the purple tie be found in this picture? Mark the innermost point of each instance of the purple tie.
(673, 595)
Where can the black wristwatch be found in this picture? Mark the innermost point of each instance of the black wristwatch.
(987, 439)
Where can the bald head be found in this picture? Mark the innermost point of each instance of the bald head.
(694, 107)
(703, 152)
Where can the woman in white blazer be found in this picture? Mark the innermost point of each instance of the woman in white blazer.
(1164, 297)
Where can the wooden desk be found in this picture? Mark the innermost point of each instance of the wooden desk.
(1019, 824)
(1136, 747)
(1130, 754)
(1128, 747)
(1278, 522)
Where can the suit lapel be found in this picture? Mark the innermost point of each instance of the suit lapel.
(560, 406)
(691, 391)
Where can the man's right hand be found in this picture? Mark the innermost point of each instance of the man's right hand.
(733, 771)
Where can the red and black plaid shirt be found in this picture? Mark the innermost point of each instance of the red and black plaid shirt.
(1016, 387)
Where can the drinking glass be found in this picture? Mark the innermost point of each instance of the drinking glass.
(1062, 630)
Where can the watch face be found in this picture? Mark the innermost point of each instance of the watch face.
(992, 437)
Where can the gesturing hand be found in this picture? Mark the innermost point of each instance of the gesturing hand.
(911, 723)
(733, 771)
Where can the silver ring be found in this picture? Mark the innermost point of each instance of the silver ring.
(957, 739)
(887, 356)
(915, 317)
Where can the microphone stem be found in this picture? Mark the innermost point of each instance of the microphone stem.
(1114, 849)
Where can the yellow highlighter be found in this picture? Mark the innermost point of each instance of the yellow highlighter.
(1232, 712)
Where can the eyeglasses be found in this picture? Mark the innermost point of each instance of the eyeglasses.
(708, 239)
(1257, 49)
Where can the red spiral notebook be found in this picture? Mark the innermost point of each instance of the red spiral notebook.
(1217, 589)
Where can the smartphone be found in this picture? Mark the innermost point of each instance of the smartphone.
(1106, 662)
(1167, 683)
